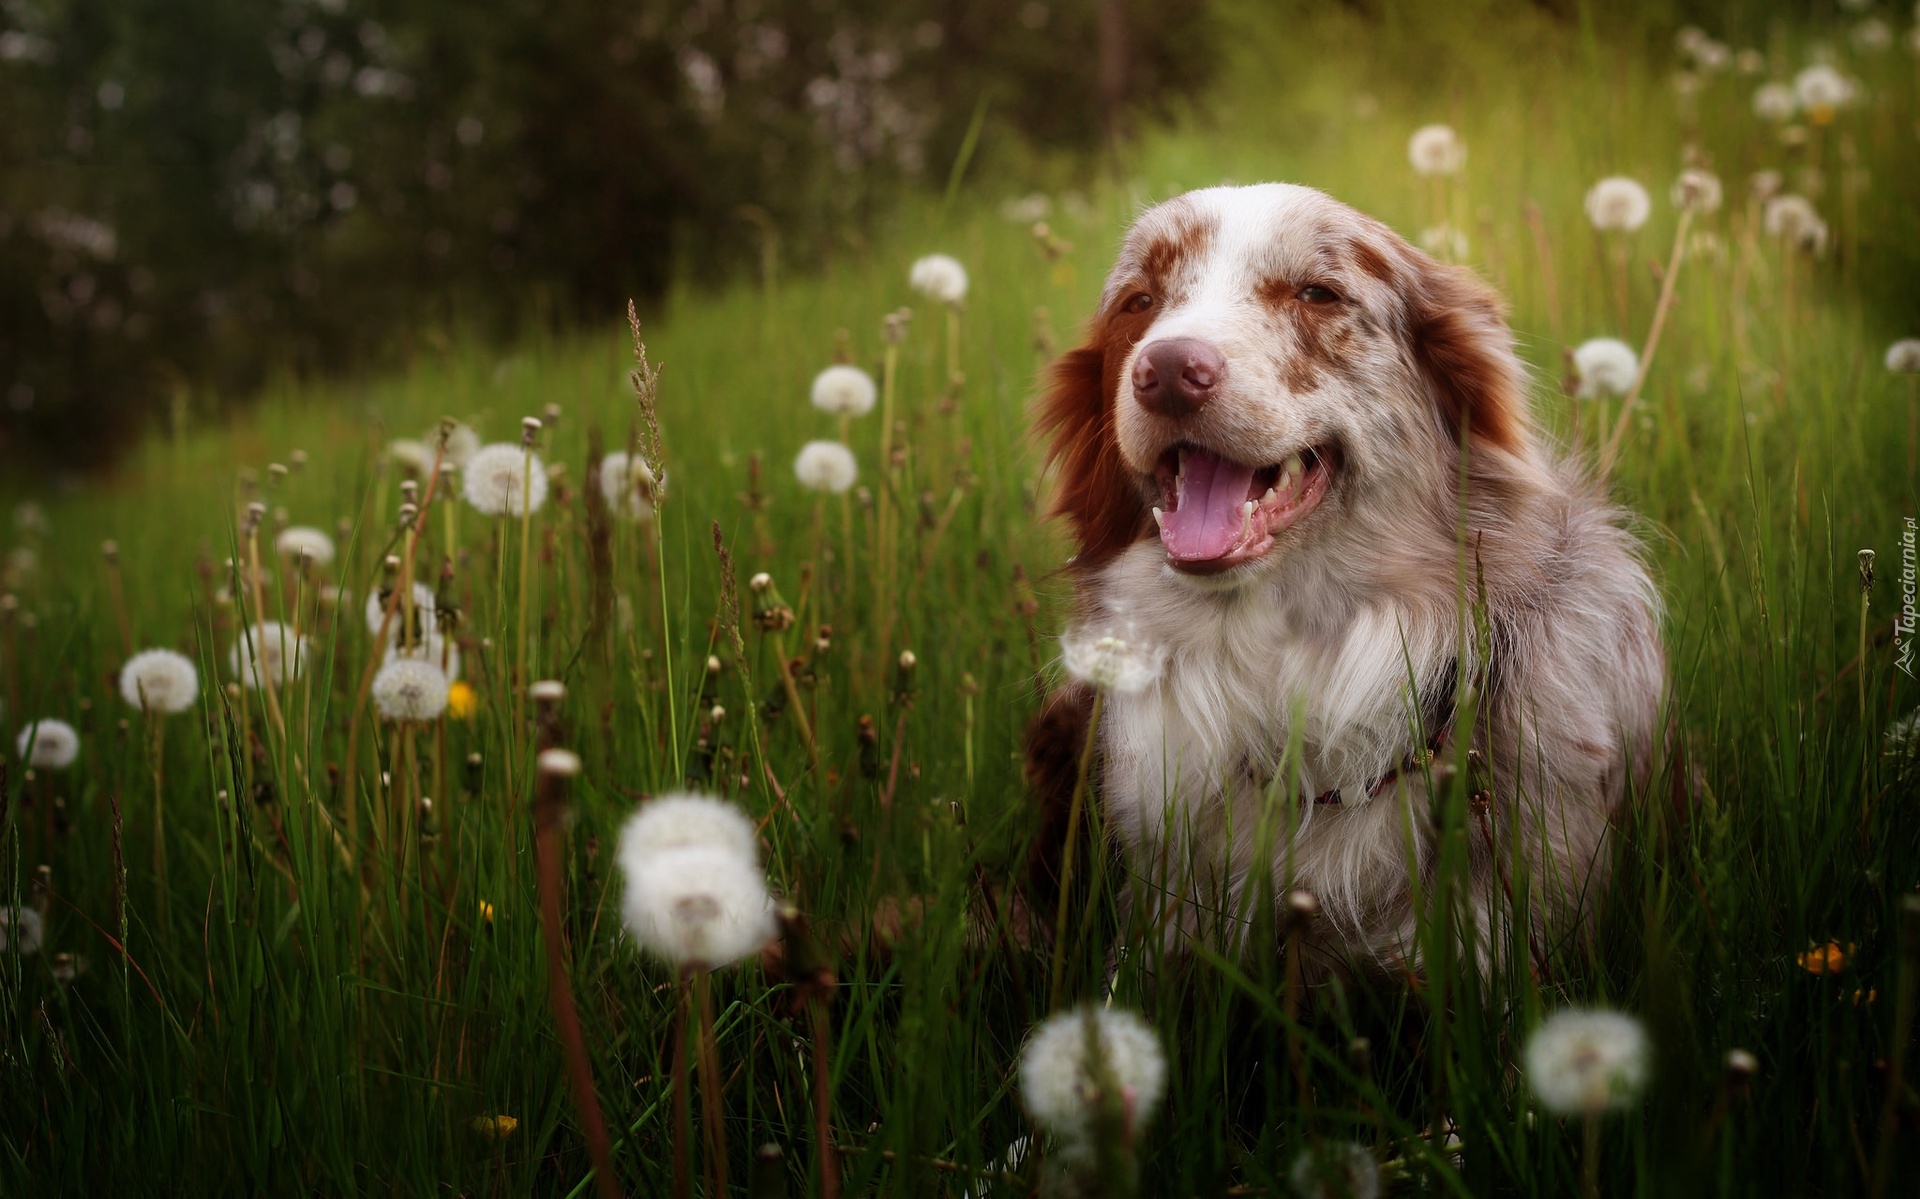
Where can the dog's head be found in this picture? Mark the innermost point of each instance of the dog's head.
(1263, 356)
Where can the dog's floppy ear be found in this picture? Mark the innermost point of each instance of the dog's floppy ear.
(1093, 492)
(1461, 336)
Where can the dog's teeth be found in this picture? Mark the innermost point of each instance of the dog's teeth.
(1246, 520)
(1158, 517)
(1270, 496)
(1292, 468)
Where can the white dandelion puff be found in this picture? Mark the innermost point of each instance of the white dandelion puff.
(21, 929)
(628, 485)
(1793, 219)
(1618, 204)
(1604, 366)
(498, 482)
(1582, 1062)
(267, 655)
(1712, 56)
(1445, 241)
(1436, 150)
(433, 649)
(1821, 89)
(1872, 36)
(1111, 662)
(826, 466)
(160, 680)
(462, 444)
(410, 691)
(423, 602)
(699, 906)
(1335, 1170)
(303, 541)
(1697, 189)
(1903, 356)
(411, 456)
(1065, 1060)
(1765, 184)
(844, 390)
(49, 744)
(684, 821)
(939, 277)
(1774, 102)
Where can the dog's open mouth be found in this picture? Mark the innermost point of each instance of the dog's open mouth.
(1216, 514)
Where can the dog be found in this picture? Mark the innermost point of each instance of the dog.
(1313, 510)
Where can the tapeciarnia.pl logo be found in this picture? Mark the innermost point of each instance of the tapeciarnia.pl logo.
(1903, 623)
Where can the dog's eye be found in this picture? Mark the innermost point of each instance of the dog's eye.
(1139, 303)
(1315, 293)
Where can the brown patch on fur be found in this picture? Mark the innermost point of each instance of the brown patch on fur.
(1187, 241)
(1461, 338)
(1096, 493)
(1367, 256)
(1054, 742)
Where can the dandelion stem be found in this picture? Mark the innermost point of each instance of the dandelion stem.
(1066, 857)
(682, 1113)
(1590, 1157)
(822, 1028)
(520, 675)
(1612, 450)
(712, 1120)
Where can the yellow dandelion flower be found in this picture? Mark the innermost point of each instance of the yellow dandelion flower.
(1830, 958)
(486, 911)
(495, 1128)
(462, 700)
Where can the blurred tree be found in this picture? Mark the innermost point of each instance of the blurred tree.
(196, 192)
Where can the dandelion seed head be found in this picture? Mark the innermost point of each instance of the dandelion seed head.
(561, 762)
(1766, 184)
(844, 390)
(1793, 219)
(410, 691)
(547, 691)
(1059, 1081)
(48, 744)
(1111, 662)
(21, 929)
(628, 485)
(939, 277)
(698, 906)
(1604, 366)
(1711, 55)
(1618, 204)
(423, 612)
(1445, 241)
(1821, 90)
(684, 820)
(267, 655)
(462, 444)
(498, 482)
(1697, 189)
(1582, 1062)
(1872, 36)
(303, 541)
(1335, 1170)
(1750, 62)
(1436, 150)
(160, 680)
(411, 456)
(826, 466)
(433, 649)
(1903, 356)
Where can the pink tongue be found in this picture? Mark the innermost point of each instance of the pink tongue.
(1208, 521)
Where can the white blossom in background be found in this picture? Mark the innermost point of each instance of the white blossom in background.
(1582, 1062)
(1111, 662)
(442, 654)
(1821, 89)
(684, 820)
(1445, 241)
(1766, 184)
(1604, 366)
(159, 680)
(1793, 219)
(462, 444)
(628, 485)
(498, 482)
(1903, 356)
(21, 929)
(1872, 36)
(267, 654)
(410, 691)
(49, 744)
(1697, 189)
(1060, 1074)
(413, 457)
(1774, 102)
(1436, 150)
(1335, 1170)
(1712, 56)
(826, 466)
(1618, 204)
(1750, 62)
(423, 602)
(305, 541)
(939, 277)
(844, 390)
(698, 906)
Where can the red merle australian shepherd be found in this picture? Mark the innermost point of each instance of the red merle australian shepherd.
(1312, 511)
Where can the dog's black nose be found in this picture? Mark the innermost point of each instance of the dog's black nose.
(1177, 376)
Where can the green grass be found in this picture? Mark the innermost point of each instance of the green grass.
(276, 1028)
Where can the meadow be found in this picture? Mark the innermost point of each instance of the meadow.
(287, 946)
